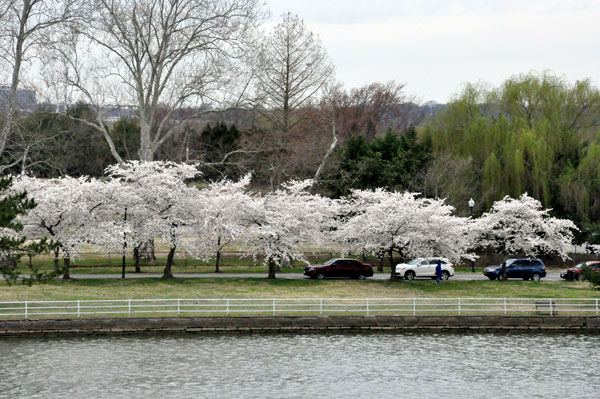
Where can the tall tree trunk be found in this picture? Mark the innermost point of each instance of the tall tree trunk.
(56, 251)
(145, 151)
(392, 267)
(67, 264)
(136, 259)
(146, 251)
(12, 97)
(272, 269)
(218, 261)
(167, 273)
(380, 265)
(327, 154)
(151, 251)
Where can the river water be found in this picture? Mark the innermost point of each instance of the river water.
(315, 365)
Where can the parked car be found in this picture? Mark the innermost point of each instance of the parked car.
(525, 268)
(573, 273)
(340, 267)
(424, 267)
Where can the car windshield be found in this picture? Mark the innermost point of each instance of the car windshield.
(510, 262)
(330, 262)
(414, 261)
(579, 266)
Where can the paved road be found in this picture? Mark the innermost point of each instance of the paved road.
(551, 276)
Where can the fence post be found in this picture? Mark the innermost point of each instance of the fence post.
(550, 306)
(227, 307)
(321, 307)
(504, 306)
(367, 306)
(178, 306)
(273, 306)
(78, 309)
(414, 306)
(26, 310)
(459, 306)
(129, 307)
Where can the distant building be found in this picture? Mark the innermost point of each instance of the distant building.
(112, 114)
(25, 98)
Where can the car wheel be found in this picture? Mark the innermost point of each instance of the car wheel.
(445, 275)
(409, 275)
(535, 277)
(361, 276)
(320, 275)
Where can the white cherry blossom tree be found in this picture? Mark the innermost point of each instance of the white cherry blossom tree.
(283, 221)
(219, 218)
(67, 212)
(383, 222)
(162, 202)
(522, 227)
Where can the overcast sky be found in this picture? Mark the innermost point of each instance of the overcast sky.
(435, 46)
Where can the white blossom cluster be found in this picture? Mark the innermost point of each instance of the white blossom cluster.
(142, 201)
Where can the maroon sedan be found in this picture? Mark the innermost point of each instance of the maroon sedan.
(573, 273)
(340, 267)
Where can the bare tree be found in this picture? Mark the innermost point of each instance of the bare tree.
(371, 108)
(26, 28)
(292, 67)
(158, 56)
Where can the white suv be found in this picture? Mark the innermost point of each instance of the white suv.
(424, 267)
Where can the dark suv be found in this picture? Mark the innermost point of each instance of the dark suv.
(340, 267)
(525, 268)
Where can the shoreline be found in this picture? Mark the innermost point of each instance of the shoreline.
(195, 325)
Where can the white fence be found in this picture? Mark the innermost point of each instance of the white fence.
(298, 306)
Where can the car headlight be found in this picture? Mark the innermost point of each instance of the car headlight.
(310, 269)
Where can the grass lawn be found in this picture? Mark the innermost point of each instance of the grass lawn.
(148, 288)
(101, 265)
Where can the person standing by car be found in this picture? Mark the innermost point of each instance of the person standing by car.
(438, 272)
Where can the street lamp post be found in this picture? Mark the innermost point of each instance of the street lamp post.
(124, 244)
(471, 206)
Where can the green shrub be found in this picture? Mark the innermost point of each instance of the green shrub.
(593, 276)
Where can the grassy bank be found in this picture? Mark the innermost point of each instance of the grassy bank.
(286, 288)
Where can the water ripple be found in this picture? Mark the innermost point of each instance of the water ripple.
(393, 365)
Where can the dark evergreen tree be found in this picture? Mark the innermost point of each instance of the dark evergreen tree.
(13, 246)
(394, 161)
(217, 144)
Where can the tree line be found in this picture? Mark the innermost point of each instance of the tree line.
(204, 82)
(144, 201)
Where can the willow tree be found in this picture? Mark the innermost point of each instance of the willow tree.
(525, 135)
